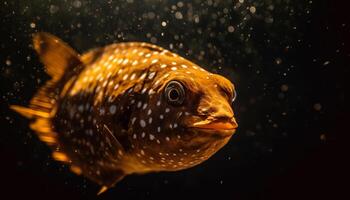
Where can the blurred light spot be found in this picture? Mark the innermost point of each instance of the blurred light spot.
(153, 40)
(317, 106)
(32, 25)
(180, 4)
(178, 15)
(252, 9)
(8, 62)
(230, 29)
(77, 4)
(278, 61)
(196, 19)
(326, 63)
(269, 20)
(151, 15)
(53, 9)
(284, 88)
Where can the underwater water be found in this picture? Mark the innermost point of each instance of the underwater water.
(287, 59)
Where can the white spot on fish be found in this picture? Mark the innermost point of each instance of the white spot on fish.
(112, 109)
(125, 61)
(132, 76)
(150, 92)
(125, 76)
(116, 86)
(143, 91)
(184, 66)
(154, 61)
(119, 61)
(151, 137)
(142, 123)
(81, 108)
(133, 120)
(151, 75)
(135, 63)
(143, 76)
(144, 106)
(157, 82)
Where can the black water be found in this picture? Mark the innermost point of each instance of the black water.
(288, 59)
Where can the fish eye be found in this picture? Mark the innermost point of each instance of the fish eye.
(234, 96)
(175, 93)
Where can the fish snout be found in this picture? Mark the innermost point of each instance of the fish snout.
(217, 116)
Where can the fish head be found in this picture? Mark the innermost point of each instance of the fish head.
(192, 113)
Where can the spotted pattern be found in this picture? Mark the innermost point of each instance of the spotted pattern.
(115, 116)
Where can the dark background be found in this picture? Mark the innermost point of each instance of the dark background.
(288, 59)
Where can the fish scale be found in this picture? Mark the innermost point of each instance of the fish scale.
(128, 108)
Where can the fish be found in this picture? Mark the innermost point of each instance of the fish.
(128, 108)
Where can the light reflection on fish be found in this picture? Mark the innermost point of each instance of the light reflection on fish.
(128, 108)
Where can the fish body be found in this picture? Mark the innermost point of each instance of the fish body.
(128, 108)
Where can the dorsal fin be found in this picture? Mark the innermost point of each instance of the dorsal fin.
(55, 54)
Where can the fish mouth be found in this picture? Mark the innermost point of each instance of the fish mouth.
(215, 125)
(216, 128)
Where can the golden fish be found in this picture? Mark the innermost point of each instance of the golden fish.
(128, 108)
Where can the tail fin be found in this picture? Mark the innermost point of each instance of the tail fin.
(28, 112)
(57, 57)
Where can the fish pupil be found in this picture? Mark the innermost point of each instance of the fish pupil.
(174, 95)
